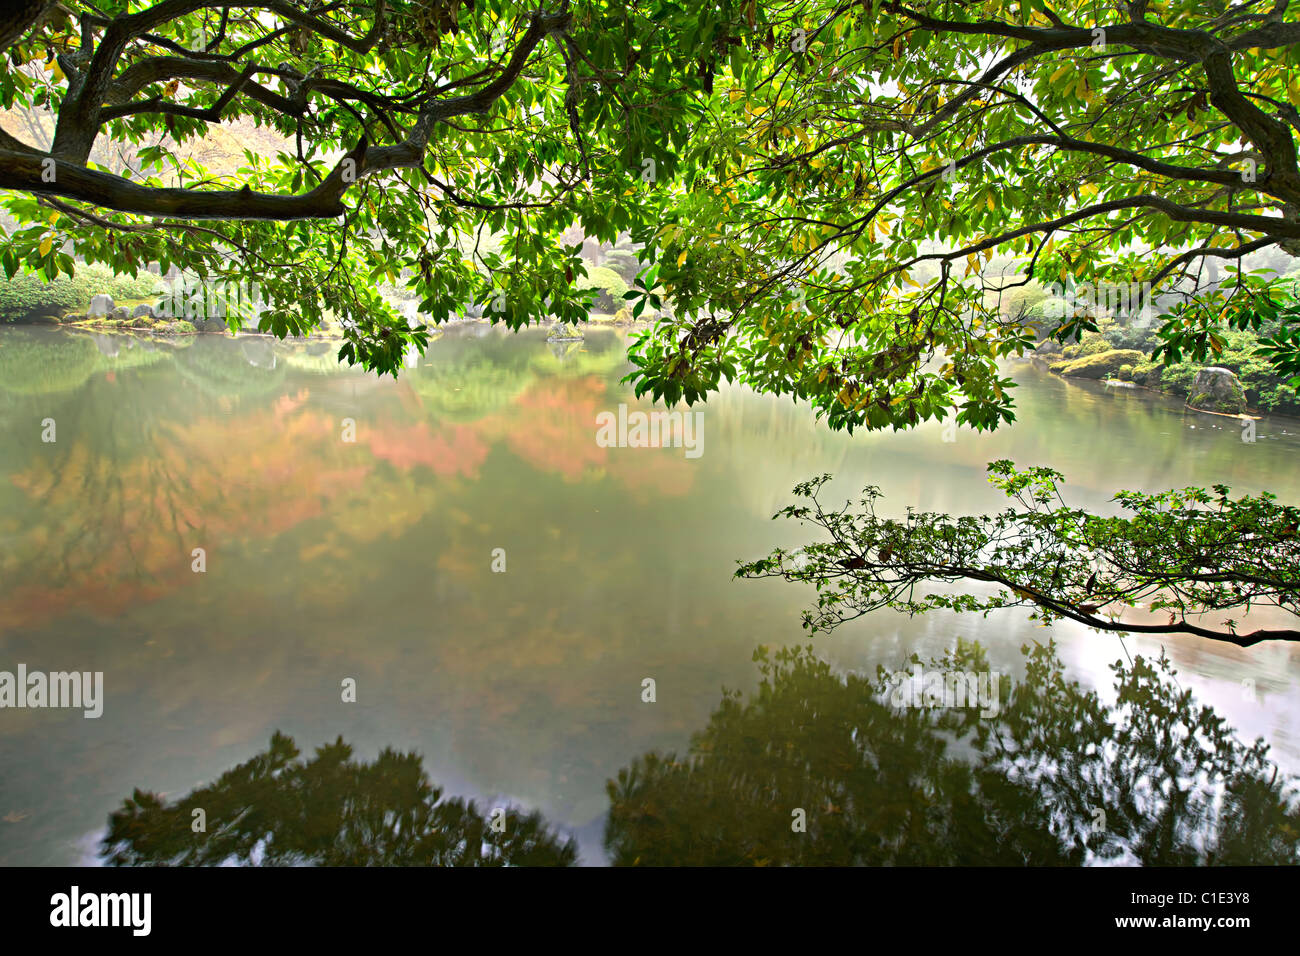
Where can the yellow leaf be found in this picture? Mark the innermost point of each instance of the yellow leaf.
(682, 258)
(989, 201)
(46, 244)
(1060, 73)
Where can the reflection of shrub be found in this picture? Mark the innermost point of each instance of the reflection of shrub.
(25, 295)
(32, 364)
(462, 381)
(218, 367)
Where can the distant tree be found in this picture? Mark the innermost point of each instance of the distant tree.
(624, 262)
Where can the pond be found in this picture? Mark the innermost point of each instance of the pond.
(236, 531)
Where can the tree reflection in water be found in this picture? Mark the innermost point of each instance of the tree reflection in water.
(1057, 777)
(279, 810)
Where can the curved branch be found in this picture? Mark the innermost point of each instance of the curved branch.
(29, 171)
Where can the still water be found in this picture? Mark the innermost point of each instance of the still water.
(372, 560)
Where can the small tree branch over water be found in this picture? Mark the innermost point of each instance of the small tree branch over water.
(1182, 559)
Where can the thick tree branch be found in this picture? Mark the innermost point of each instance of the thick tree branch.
(31, 172)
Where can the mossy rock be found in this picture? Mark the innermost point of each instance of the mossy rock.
(1217, 390)
(1099, 365)
(1148, 373)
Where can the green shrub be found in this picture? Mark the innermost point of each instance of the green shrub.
(26, 295)
(1025, 297)
(1092, 343)
(624, 262)
(610, 284)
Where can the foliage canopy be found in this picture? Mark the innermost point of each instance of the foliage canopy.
(832, 196)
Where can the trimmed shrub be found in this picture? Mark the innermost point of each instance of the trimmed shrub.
(610, 284)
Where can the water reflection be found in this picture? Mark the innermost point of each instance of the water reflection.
(332, 810)
(372, 559)
(813, 768)
(817, 768)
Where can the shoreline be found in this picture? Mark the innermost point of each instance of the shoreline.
(1250, 414)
